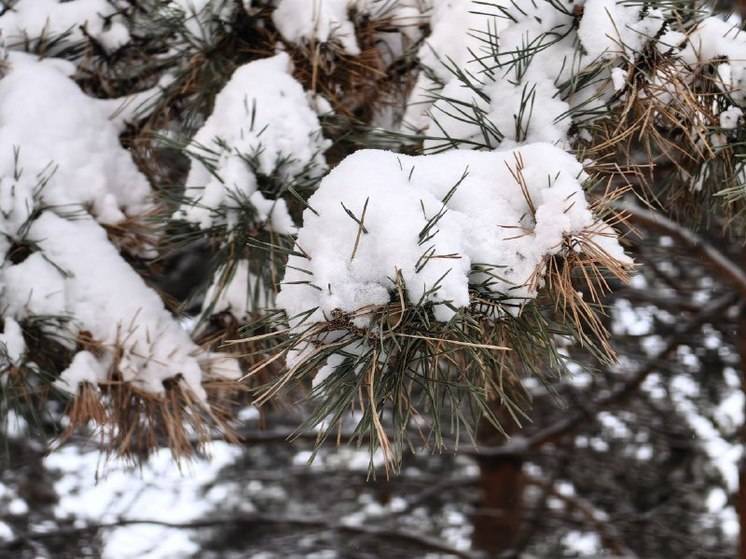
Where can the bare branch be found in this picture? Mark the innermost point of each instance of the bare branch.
(404, 535)
(715, 259)
(521, 445)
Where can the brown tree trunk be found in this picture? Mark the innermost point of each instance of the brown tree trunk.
(498, 519)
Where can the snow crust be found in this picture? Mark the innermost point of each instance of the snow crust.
(262, 123)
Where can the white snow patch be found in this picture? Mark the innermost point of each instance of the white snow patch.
(263, 115)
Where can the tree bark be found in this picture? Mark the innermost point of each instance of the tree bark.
(502, 481)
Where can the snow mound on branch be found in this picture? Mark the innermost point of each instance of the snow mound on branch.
(50, 125)
(379, 213)
(85, 278)
(450, 44)
(316, 20)
(262, 124)
(63, 173)
(325, 21)
(498, 74)
(51, 18)
(715, 39)
(609, 29)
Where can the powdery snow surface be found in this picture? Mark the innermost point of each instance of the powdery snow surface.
(70, 163)
(609, 29)
(262, 115)
(51, 18)
(79, 148)
(440, 238)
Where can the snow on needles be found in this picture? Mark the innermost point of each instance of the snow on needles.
(504, 74)
(715, 39)
(518, 67)
(320, 20)
(445, 222)
(63, 174)
(79, 145)
(328, 21)
(262, 124)
(34, 19)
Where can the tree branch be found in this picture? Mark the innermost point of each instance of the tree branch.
(523, 445)
(596, 519)
(733, 274)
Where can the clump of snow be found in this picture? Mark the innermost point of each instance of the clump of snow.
(52, 128)
(12, 344)
(63, 173)
(84, 368)
(78, 273)
(51, 18)
(325, 21)
(6, 532)
(610, 28)
(378, 214)
(518, 67)
(449, 43)
(619, 78)
(714, 39)
(262, 123)
(301, 21)
(729, 118)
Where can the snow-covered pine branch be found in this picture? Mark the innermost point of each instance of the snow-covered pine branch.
(66, 186)
(397, 280)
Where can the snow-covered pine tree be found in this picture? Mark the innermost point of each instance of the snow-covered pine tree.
(408, 206)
